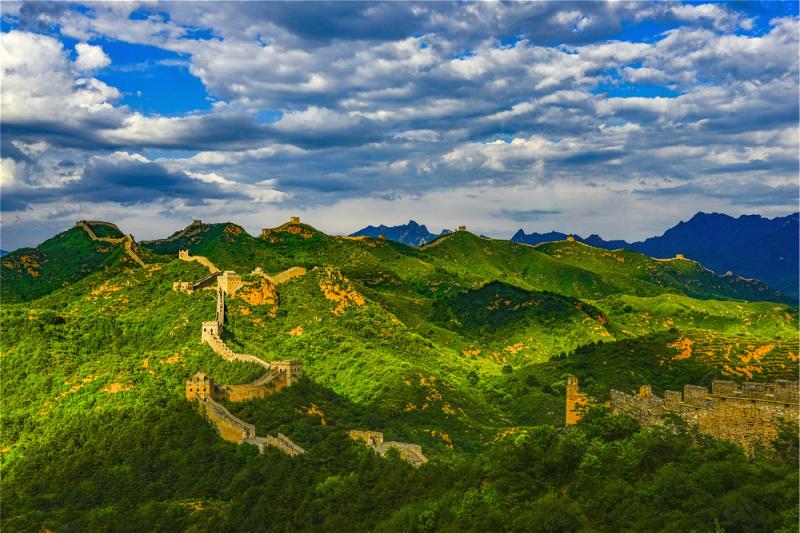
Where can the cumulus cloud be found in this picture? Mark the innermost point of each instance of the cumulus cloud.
(131, 179)
(43, 98)
(91, 57)
(371, 101)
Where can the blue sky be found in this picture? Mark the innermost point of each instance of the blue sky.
(615, 118)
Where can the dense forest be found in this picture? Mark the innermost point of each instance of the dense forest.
(162, 472)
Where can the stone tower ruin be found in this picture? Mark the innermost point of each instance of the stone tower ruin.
(576, 401)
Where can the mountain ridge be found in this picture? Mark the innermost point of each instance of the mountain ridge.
(411, 233)
(750, 246)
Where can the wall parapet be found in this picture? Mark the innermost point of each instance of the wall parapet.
(183, 255)
(128, 242)
(748, 414)
(201, 388)
(411, 453)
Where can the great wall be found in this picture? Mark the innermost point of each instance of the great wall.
(202, 389)
(374, 439)
(127, 240)
(748, 414)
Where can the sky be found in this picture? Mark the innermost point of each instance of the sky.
(616, 118)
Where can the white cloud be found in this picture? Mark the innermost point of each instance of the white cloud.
(432, 101)
(91, 57)
(39, 85)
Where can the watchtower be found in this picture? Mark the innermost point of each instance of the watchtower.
(291, 370)
(196, 222)
(200, 386)
(211, 328)
(576, 401)
(679, 256)
(230, 282)
(266, 233)
(183, 255)
(462, 228)
(570, 238)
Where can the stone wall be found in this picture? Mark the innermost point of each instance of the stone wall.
(183, 255)
(220, 309)
(748, 414)
(286, 275)
(411, 453)
(576, 401)
(230, 282)
(285, 444)
(127, 241)
(230, 427)
(269, 383)
(201, 388)
(190, 286)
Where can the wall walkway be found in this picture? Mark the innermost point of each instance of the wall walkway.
(127, 241)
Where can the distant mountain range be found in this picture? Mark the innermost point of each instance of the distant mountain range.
(3, 252)
(750, 246)
(412, 233)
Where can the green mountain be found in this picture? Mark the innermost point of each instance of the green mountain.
(29, 273)
(461, 346)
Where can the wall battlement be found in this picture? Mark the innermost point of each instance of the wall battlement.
(293, 226)
(127, 240)
(411, 453)
(201, 388)
(748, 414)
(183, 255)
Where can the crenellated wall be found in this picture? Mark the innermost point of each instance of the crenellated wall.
(411, 453)
(230, 427)
(127, 241)
(201, 388)
(287, 275)
(183, 255)
(748, 414)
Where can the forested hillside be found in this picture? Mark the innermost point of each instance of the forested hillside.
(461, 346)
